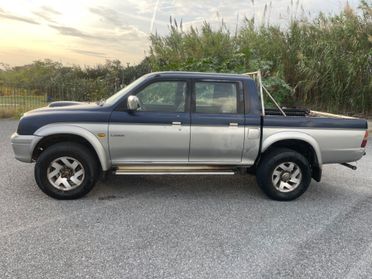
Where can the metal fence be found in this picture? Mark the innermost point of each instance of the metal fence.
(21, 98)
(13, 98)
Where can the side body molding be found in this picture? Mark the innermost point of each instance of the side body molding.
(291, 135)
(85, 131)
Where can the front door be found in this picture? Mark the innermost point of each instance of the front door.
(217, 122)
(159, 132)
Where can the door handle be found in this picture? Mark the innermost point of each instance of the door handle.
(176, 123)
(233, 124)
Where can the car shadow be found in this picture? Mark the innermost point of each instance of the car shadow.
(222, 187)
(186, 186)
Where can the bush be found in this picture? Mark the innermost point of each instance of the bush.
(325, 63)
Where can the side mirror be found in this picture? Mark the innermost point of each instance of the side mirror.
(133, 103)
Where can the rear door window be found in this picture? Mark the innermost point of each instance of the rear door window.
(216, 97)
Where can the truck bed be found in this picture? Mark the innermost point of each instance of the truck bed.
(288, 111)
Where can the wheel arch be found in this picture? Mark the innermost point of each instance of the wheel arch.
(299, 142)
(51, 134)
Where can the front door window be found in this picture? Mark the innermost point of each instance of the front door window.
(163, 96)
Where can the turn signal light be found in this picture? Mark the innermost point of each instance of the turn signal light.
(364, 142)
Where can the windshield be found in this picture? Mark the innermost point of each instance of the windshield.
(114, 98)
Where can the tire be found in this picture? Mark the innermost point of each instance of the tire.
(283, 174)
(72, 168)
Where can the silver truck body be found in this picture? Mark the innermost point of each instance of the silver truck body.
(238, 141)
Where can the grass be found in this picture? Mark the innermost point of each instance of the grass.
(15, 105)
(8, 113)
(22, 100)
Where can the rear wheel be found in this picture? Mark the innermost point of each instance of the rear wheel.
(66, 171)
(283, 174)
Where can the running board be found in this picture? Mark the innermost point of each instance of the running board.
(173, 170)
(175, 173)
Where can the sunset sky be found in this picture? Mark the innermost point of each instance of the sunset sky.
(87, 32)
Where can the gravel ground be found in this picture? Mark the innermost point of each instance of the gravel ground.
(185, 227)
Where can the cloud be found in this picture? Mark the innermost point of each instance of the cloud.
(89, 53)
(44, 16)
(108, 15)
(70, 31)
(6, 15)
(119, 35)
(118, 19)
(47, 14)
(50, 10)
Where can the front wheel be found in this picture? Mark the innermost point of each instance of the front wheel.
(66, 171)
(283, 174)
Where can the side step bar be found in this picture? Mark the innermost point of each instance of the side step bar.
(173, 170)
(175, 173)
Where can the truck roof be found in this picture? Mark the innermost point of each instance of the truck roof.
(199, 75)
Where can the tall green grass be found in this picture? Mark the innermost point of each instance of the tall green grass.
(324, 63)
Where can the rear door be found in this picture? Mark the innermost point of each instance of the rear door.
(217, 121)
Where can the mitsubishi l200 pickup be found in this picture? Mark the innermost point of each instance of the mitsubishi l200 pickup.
(183, 123)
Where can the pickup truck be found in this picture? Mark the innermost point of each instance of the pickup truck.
(183, 123)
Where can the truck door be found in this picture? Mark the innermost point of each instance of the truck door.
(159, 132)
(217, 121)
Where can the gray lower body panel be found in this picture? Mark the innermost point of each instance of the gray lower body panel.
(332, 145)
(148, 143)
(216, 143)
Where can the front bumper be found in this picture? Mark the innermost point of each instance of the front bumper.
(23, 146)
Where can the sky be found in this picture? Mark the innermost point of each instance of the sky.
(87, 32)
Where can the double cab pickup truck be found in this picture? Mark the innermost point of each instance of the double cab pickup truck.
(183, 123)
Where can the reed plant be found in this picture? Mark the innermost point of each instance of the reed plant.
(322, 62)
